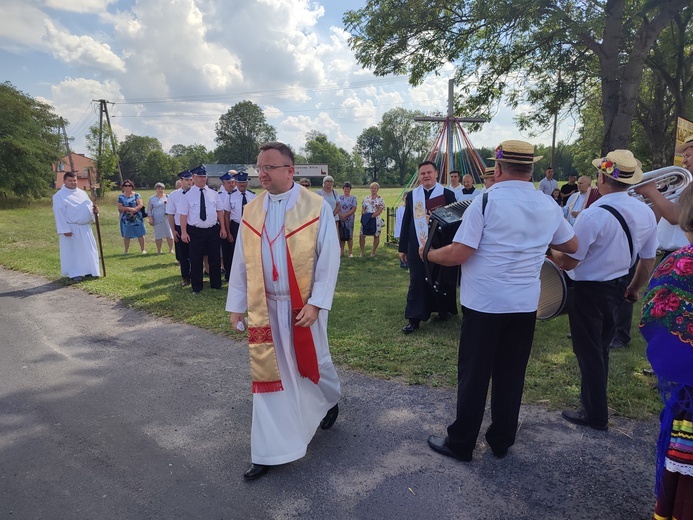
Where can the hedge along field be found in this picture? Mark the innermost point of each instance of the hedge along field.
(364, 324)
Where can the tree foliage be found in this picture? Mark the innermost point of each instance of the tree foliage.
(133, 153)
(240, 132)
(29, 143)
(191, 156)
(160, 167)
(108, 174)
(318, 149)
(546, 54)
(405, 141)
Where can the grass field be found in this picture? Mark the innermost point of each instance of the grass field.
(365, 321)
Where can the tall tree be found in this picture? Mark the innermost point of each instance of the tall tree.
(369, 145)
(133, 153)
(191, 156)
(240, 132)
(404, 140)
(29, 143)
(544, 53)
(318, 149)
(160, 167)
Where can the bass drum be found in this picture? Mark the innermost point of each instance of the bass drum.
(554, 292)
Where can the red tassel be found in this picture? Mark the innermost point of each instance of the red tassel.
(275, 273)
(266, 387)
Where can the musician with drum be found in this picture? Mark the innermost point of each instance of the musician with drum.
(611, 233)
(500, 244)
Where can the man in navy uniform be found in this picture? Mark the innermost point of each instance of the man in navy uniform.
(202, 226)
(182, 249)
(233, 211)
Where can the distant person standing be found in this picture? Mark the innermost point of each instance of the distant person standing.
(202, 226)
(228, 187)
(548, 183)
(156, 207)
(130, 206)
(468, 190)
(568, 189)
(182, 249)
(578, 200)
(488, 179)
(74, 213)
(233, 207)
(455, 185)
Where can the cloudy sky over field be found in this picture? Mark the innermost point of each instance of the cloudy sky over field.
(172, 67)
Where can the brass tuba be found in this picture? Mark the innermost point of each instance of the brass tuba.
(671, 181)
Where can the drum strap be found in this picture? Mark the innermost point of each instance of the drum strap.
(621, 221)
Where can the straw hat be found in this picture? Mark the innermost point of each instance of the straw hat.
(488, 172)
(518, 152)
(621, 166)
(686, 143)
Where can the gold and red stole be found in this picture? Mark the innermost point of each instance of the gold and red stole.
(301, 233)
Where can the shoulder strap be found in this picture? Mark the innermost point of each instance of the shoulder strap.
(484, 201)
(621, 221)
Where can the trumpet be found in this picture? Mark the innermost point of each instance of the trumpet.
(670, 182)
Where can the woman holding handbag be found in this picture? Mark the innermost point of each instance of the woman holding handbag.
(131, 207)
(347, 208)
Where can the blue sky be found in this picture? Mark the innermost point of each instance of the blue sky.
(173, 67)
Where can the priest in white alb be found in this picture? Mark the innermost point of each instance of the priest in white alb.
(74, 213)
(284, 273)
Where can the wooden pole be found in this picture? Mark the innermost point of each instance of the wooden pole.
(92, 187)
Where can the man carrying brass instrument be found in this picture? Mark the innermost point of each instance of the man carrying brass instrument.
(501, 249)
(611, 234)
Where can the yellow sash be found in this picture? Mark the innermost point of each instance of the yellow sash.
(301, 232)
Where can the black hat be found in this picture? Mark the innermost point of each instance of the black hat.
(241, 177)
(200, 171)
(225, 177)
(185, 175)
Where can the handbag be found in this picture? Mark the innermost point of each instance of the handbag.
(368, 224)
(344, 231)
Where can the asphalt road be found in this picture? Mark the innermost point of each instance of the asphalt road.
(108, 413)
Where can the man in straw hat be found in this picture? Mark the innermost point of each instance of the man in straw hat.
(501, 250)
(612, 233)
(488, 178)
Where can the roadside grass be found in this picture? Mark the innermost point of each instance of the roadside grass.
(365, 321)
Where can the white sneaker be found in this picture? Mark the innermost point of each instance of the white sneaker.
(144, 252)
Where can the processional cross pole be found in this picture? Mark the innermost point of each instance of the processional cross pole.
(450, 120)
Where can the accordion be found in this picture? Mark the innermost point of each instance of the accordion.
(442, 226)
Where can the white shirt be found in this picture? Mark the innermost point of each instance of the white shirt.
(547, 186)
(511, 238)
(575, 203)
(189, 205)
(457, 191)
(172, 205)
(466, 196)
(233, 203)
(603, 249)
(670, 237)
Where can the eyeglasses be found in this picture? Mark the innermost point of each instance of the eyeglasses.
(267, 168)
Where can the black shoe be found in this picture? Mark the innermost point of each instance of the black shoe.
(330, 417)
(255, 471)
(410, 327)
(440, 445)
(499, 454)
(76, 279)
(578, 417)
(617, 344)
(443, 316)
(185, 282)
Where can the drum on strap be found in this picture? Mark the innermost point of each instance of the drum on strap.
(442, 226)
(554, 292)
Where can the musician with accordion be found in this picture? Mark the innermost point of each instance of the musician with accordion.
(500, 244)
(422, 300)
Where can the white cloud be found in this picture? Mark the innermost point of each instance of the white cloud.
(83, 51)
(18, 26)
(79, 6)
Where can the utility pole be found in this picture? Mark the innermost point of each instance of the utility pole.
(103, 109)
(61, 130)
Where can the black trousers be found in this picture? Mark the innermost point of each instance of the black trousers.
(183, 256)
(204, 241)
(592, 318)
(227, 249)
(492, 346)
(422, 300)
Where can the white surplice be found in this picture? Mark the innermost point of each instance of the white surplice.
(284, 422)
(73, 212)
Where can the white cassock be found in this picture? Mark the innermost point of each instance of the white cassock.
(73, 212)
(284, 422)
(576, 202)
(399, 215)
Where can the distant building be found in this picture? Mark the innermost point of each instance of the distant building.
(81, 165)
